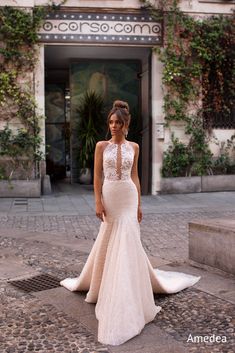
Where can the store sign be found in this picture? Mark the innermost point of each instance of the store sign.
(138, 29)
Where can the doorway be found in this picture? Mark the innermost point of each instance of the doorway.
(124, 75)
(111, 80)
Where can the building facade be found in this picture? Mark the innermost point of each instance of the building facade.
(106, 46)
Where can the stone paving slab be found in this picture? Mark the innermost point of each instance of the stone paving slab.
(71, 302)
(151, 340)
(79, 200)
(12, 267)
(63, 240)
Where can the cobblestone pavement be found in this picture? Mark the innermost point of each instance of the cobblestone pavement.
(192, 312)
(29, 325)
(26, 324)
(164, 235)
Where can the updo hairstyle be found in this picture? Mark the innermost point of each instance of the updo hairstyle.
(121, 104)
(121, 110)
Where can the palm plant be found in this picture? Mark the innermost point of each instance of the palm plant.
(90, 113)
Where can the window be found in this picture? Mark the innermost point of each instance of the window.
(218, 93)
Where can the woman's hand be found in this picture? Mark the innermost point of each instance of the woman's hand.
(100, 211)
(139, 214)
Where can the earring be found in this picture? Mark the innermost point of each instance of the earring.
(126, 133)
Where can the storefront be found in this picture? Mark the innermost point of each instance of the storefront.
(107, 47)
(109, 52)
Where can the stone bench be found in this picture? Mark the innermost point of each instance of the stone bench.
(212, 242)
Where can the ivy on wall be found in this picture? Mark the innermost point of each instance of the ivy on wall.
(18, 57)
(198, 76)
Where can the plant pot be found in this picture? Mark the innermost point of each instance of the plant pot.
(180, 185)
(218, 183)
(85, 176)
(20, 188)
(205, 183)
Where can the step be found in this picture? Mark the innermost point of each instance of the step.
(212, 242)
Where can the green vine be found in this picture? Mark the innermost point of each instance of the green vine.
(198, 76)
(18, 34)
(18, 56)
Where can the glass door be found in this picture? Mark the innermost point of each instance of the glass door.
(112, 79)
(56, 128)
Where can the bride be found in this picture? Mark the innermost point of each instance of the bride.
(118, 275)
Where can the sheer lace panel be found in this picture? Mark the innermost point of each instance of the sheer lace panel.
(118, 161)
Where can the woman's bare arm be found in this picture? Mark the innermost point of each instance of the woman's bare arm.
(98, 174)
(135, 178)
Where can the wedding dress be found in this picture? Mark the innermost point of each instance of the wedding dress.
(118, 275)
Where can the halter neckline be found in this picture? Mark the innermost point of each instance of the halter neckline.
(113, 143)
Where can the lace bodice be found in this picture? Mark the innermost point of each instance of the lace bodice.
(118, 160)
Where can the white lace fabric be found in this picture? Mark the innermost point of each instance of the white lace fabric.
(117, 161)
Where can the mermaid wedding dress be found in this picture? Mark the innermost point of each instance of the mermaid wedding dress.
(118, 275)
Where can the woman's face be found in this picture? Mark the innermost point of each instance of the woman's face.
(115, 126)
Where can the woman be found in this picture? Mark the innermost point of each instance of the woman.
(118, 275)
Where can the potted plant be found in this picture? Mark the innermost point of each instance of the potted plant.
(90, 114)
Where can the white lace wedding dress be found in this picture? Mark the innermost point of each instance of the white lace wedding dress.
(117, 274)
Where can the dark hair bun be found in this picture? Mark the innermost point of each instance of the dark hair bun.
(121, 105)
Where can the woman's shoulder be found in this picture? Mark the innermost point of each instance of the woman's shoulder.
(134, 145)
(101, 144)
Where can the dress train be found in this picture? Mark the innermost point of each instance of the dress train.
(121, 281)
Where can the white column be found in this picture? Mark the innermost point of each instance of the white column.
(39, 88)
(157, 117)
